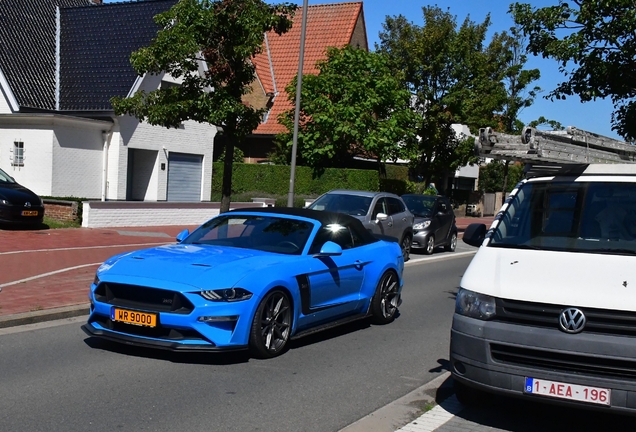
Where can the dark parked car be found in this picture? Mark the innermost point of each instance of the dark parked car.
(434, 222)
(380, 212)
(18, 205)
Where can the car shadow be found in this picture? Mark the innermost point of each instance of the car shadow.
(222, 358)
(23, 227)
(202, 358)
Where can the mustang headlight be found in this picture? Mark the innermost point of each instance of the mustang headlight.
(421, 225)
(227, 294)
(96, 281)
(475, 305)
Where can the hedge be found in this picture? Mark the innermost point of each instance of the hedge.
(274, 179)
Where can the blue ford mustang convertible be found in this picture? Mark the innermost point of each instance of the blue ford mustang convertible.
(249, 279)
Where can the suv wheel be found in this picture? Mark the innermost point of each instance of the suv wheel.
(405, 245)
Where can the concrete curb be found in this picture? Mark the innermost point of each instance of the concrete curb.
(44, 315)
(402, 411)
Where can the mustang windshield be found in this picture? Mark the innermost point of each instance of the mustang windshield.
(266, 233)
(574, 216)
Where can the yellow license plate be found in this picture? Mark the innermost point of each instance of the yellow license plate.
(29, 212)
(134, 317)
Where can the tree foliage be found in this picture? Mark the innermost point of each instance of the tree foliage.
(207, 45)
(492, 176)
(594, 42)
(454, 77)
(354, 106)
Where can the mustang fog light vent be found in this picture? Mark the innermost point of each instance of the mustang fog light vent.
(228, 294)
(209, 319)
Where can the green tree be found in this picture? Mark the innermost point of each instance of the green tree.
(517, 80)
(354, 106)
(594, 42)
(453, 78)
(223, 35)
(491, 176)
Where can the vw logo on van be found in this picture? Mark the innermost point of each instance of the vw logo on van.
(572, 320)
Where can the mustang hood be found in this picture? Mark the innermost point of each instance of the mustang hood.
(203, 267)
(565, 278)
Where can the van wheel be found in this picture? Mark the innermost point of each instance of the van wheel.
(470, 396)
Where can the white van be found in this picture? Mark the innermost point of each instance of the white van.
(547, 308)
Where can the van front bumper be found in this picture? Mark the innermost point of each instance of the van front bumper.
(498, 357)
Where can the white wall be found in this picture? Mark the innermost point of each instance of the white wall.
(77, 162)
(36, 172)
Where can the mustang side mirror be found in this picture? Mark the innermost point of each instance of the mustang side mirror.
(182, 235)
(329, 249)
(381, 217)
(475, 234)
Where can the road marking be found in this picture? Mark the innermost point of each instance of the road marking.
(80, 248)
(431, 420)
(440, 257)
(49, 274)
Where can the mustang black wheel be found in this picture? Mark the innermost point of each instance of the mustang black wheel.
(430, 245)
(452, 243)
(406, 247)
(386, 299)
(271, 325)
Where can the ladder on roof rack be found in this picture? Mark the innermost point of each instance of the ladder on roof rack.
(571, 146)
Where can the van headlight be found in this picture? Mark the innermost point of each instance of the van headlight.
(475, 305)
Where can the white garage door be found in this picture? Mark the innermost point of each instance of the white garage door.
(184, 177)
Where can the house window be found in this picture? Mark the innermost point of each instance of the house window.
(18, 153)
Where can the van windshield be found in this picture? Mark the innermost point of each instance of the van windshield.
(573, 216)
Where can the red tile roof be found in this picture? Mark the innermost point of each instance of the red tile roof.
(327, 25)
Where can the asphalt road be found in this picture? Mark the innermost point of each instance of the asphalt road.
(55, 378)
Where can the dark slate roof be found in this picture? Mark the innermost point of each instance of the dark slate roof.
(27, 48)
(96, 44)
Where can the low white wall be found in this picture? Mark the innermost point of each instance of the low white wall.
(101, 214)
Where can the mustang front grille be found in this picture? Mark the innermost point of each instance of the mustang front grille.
(603, 321)
(567, 362)
(144, 298)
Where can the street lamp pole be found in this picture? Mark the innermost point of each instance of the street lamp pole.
(299, 85)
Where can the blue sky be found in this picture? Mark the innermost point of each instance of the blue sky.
(592, 116)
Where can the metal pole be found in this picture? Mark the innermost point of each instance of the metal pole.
(299, 85)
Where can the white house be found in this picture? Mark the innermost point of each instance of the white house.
(61, 61)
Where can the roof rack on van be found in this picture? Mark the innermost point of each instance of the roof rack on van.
(547, 148)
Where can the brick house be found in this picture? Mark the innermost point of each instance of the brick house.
(60, 63)
(328, 25)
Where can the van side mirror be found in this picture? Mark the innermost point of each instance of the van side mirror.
(475, 234)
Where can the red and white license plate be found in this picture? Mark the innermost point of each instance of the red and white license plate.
(574, 392)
